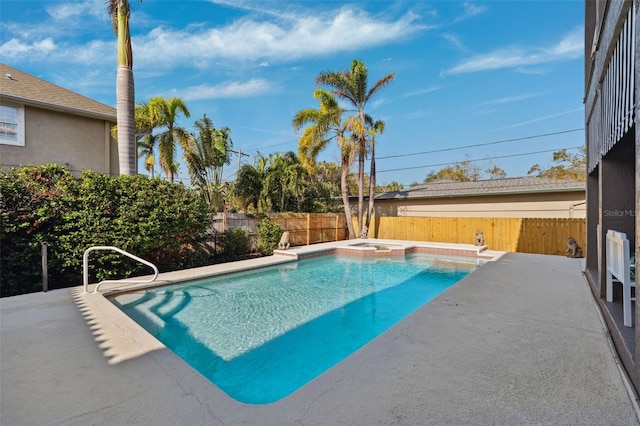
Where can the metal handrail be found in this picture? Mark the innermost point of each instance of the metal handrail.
(85, 268)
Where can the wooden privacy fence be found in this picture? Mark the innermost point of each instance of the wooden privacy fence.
(304, 228)
(525, 235)
(312, 228)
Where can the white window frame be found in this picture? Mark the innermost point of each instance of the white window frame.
(20, 140)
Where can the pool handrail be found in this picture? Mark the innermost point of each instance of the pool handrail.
(85, 268)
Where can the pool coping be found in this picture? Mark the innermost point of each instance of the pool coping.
(518, 341)
(126, 339)
(348, 247)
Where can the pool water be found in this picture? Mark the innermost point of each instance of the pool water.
(262, 334)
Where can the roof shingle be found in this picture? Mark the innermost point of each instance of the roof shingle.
(21, 87)
(484, 187)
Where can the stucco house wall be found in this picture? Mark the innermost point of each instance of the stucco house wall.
(528, 197)
(58, 126)
(550, 205)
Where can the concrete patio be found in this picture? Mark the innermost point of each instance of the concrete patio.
(518, 342)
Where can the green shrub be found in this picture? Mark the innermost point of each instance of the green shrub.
(162, 222)
(269, 234)
(236, 243)
(29, 212)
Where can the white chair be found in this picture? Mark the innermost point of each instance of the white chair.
(619, 271)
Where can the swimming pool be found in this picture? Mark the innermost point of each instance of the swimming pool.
(260, 335)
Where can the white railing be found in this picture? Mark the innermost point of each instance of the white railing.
(85, 268)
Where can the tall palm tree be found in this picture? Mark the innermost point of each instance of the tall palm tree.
(145, 140)
(352, 85)
(325, 125)
(164, 113)
(206, 155)
(374, 129)
(120, 12)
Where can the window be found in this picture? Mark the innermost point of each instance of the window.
(11, 125)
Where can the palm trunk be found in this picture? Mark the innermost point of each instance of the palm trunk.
(125, 95)
(372, 192)
(126, 124)
(360, 190)
(344, 186)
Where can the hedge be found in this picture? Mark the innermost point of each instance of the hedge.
(154, 219)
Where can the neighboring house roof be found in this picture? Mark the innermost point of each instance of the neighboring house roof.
(18, 86)
(522, 185)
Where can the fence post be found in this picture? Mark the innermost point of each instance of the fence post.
(45, 275)
(308, 229)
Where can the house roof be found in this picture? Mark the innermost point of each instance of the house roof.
(521, 185)
(20, 87)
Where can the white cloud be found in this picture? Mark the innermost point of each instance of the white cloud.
(16, 49)
(423, 91)
(545, 117)
(571, 46)
(270, 41)
(509, 99)
(455, 40)
(469, 11)
(61, 11)
(417, 114)
(229, 89)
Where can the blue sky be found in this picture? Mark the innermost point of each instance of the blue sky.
(467, 73)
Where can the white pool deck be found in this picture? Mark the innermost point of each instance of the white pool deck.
(520, 341)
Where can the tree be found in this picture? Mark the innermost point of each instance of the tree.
(393, 186)
(462, 171)
(323, 126)
(145, 140)
(374, 129)
(146, 149)
(120, 13)
(495, 172)
(352, 85)
(329, 173)
(568, 166)
(164, 113)
(248, 187)
(284, 184)
(206, 155)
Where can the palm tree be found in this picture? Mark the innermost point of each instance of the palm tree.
(120, 12)
(352, 85)
(326, 125)
(206, 155)
(164, 113)
(374, 129)
(146, 149)
(145, 140)
(285, 183)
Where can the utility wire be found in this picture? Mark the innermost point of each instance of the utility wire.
(481, 144)
(479, 159)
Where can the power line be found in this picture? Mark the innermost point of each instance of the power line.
(479, 159)
(481, 144)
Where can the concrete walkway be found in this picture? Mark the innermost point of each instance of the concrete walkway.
(518, 342)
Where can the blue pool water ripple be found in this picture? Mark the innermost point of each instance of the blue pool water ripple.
(262, 334)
